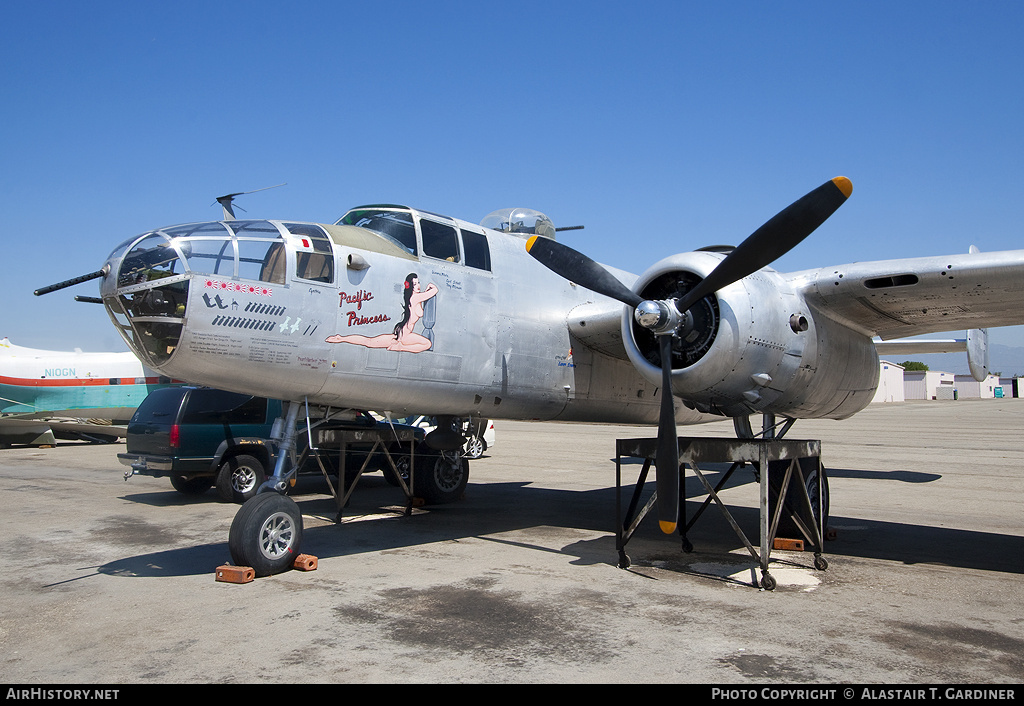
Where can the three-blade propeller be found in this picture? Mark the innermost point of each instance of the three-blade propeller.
(769, 242)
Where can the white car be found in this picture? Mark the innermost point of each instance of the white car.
(479, 438)
(479, 433)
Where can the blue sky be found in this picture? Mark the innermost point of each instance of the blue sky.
(661, 126)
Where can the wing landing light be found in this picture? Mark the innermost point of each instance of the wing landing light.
(665, 318)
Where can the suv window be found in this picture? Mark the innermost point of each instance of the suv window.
(219, 407)
(160, 406)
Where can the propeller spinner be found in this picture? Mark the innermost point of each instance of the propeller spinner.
(664, 318)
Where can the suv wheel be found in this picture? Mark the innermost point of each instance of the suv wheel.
(239, 478)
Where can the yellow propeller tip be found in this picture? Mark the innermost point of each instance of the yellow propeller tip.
(530, 242)
(844, 185)
(667, 527)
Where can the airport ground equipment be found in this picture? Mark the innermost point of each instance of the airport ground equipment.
(786, 471)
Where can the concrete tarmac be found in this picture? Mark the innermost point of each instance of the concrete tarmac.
(112, 582)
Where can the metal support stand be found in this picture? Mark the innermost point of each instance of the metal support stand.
(381, 439)
(761, 453)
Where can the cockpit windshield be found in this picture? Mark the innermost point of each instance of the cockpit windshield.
(395, 225)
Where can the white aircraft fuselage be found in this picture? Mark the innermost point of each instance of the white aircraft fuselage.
(73, 393)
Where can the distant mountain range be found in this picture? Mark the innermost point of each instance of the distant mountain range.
(1006, 360)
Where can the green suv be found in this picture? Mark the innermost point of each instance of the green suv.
(201, 437)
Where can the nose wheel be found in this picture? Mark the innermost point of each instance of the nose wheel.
(266, 534)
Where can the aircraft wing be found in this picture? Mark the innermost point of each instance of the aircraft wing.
(908, 297)
(87, 429)
(34, 431)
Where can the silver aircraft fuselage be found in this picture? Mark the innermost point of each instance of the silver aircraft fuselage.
(446, 317)
(404, 311)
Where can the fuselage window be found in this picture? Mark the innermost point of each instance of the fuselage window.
(439, 241)
(396, 226)
(319, 264)
(478, 252)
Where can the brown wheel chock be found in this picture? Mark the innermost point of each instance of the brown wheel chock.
(305, 562)
(235, 574)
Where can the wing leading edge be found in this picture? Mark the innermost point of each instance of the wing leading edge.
(913, 296)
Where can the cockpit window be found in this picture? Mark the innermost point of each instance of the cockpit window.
(478, 253)
(317, 265)
(439, 240)
(396, 226)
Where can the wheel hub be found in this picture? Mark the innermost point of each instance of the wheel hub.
(243, 479)
(448, 472)
(276, 536)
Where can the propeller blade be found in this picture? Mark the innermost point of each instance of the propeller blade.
(667, 459)
(72, 282)
(577, 267)
(773, 239)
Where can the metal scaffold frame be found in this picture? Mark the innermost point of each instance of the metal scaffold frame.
(768, 457)
(339, 440)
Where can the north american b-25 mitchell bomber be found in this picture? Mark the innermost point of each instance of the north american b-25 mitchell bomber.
(405, 311)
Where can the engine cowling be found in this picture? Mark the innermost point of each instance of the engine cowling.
(754, 346)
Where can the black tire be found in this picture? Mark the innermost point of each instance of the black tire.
(441, 478)
(266, 534)
(239, 478)
(794, 501)
(196, 485)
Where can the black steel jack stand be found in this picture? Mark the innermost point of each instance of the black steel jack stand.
(765, 456)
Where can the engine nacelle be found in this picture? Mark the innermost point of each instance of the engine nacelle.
(753, 347)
